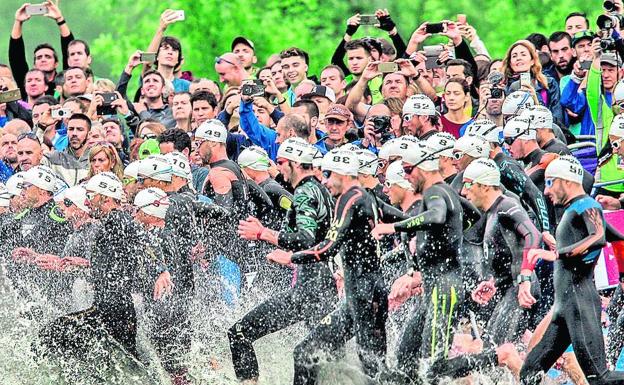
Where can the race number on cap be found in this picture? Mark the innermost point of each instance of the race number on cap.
(483, 171)
(42, 177)
(617, 126)
(341, 162)
(297, 150)
(107, 184)
(212, 130)
(516, 102)
(180, 164)
(419, 105)
(566, 168)
(519, 128)
(442, 142)
(369, 163)
(538, 116)
(15, 184)
(396, 175)
(485, 128)
(152, 201)
(78, 196)
(156, 167)
(422, 156)
(473, 145)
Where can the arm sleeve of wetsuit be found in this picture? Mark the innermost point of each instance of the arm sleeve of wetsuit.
(338, 57)
(209, 210)
(390, 214)
(306, 208)
(471, 213)
(345, 211)
(516, 219)
(434, 215)
(594, 222)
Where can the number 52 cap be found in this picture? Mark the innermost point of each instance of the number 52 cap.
(342, 162)
(419, 105)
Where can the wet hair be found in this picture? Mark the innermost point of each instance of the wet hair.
(179, 138)
(463, 63)
(83, 117)
(84, 43)
(206, 96)
(311, 107)
(294, 51)
(46, 46)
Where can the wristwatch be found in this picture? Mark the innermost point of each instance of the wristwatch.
(411, 271)
(523, 278)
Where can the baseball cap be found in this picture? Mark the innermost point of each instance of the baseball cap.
(538, 117)
(516, 102)
(473, 145)
(519, 128)
(152, 201)
(15, 184)
(342, 162)
(107, 184)
(298, 150)
(340, 112)
(419, 105)
(396, 175)
(369, 162)
(180, 164)
(42, 177)
(78, 196)
(254, 158)
(242, 40)
(422, 156)
(321, 91)
(148, 148)
(617, 126)
(485, 128)
(156, 167)
(212, 130)
(611, 58)
(483, 171)
(442, 142)
(580, 35)
(565, 167)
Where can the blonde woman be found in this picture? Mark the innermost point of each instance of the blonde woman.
(104, 158)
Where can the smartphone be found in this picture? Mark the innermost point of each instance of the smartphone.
(368, 20)
(388, 67)
(434, 28)
(61, 113)
(432, 53)
(585, 65)
(461, 18)
(147, 57)
(525, 79)
(10, 96)
(36, 10)
(179, 15)
(108, 97)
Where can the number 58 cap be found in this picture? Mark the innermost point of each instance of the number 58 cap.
(42, 177)
(566, 168)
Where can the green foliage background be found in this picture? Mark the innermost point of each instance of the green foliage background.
(115, 28)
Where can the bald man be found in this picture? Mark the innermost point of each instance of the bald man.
(230, 70)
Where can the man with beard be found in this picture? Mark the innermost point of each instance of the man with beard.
(72, 164)
(420, 117)
(246, 52)
(561, 54)
(8, 150)
(35, 85)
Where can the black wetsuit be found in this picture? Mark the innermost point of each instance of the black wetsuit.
(429, 330)
(281, 199)
(556, 146)
(115, 259)
(314, 293)
(363, 312)
(576, 313)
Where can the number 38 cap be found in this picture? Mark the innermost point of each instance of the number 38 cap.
(342, 162)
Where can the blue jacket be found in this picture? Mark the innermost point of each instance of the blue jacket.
(575, 100)
(553, 104)
(5, 172)
(258, 134)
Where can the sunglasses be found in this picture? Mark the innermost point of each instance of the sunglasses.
(219, 59)
(458, 155)
(281, 162)
(128, 180)
(408, 168)
(90, 195)
(407, 117)
(327, 174)
(140, 180)
(149, 136)
(549, 182)
(468, 185)
(68, 202)
(28, 135)
(617, 143)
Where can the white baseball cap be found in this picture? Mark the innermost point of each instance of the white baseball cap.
(156, 167)
(78, 196)
(15, 184)
(483, 171)
(538, 116)
(180, 164)
(485, 128)
(42, 177)
(212, 130)
(519, 128)
(107, 184)
(473, 145)
(422, 156)
(297, 150)
(516, 102)
(442, 142)
(152, 201)
(396, 175)
(565, 167)
(341, 162)
(617, 126)
(369, 162)
(420, 105)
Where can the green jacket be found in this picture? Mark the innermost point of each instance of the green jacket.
(600, 108)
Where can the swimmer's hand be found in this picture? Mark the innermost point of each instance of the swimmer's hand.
(163, 285)
(24, 255)
(535, 254)
(525, 299)
(250, 229)
(549, 241)
(484, 292)
(280, 256)
(403, 288)
(382, 229)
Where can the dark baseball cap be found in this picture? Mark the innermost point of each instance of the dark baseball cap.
(243, 40)
(321, 91)
(580, 35)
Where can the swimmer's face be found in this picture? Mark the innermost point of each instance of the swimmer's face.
(556, 190)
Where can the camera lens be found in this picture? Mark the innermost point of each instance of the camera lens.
(609, 6)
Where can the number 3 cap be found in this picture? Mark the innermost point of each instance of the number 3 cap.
(107, 184)
(42, 177)
(567, 168)
(617, 126)
(212, 130)
(342, 162)
(419, 105)
(297, 150)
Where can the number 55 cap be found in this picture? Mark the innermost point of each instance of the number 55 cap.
(212, 130)
(42, 177)
(342, 162)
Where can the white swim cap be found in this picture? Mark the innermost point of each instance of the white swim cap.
(396, 175)
(617, 126)
(423, 157)
(15, 184)
(180, 164)
(442, 143)
(78, 196)
(156, 167)
(297, 150)
(483, 171)
(565, 167)
(42, 177)
(107, 184)
(519, 128)
(516, 102)
(369, 163)
(487, 129)
(538, 116)
(212, 130)
(341, 162)
(254, 158)
(152, 201)
(473, 145)
(419, 105)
